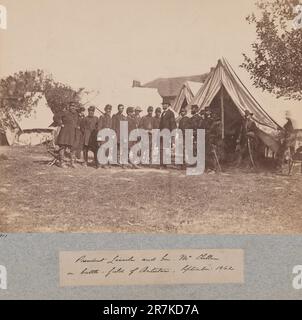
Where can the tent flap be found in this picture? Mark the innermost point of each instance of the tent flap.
(224, 76)
(186, 94)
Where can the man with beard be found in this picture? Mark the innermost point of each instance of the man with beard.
(137, 115)
(247, 141)
(146, 123)
(167, 121)
(68, 120)
(184, 123)
(132, 125)
(89, 135)
(156, 118)
(116, 126)
(79, 143)
(105, 122)
(196, 122)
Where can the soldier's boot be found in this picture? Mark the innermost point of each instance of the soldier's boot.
(85, 155)
(96, 162)
(61, 163)
(72, 160)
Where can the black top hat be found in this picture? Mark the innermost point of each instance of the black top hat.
(166, 101)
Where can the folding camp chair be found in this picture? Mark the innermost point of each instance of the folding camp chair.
(55, 154)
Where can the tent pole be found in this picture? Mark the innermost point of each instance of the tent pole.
(222, 112)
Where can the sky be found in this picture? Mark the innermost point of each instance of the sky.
(104, 44)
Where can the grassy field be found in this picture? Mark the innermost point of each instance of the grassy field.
(38, 198)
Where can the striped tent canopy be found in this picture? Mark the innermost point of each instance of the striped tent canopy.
(223, 77)
(186, 95)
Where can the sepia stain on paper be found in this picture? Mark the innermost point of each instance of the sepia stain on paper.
(151, 267)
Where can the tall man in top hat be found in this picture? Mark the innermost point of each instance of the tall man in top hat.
(167, 121)
(90, 124)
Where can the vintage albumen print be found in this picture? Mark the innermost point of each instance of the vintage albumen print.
(151, 116)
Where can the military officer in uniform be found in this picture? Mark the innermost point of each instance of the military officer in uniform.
(247, 133)
(167, 121)
(79, 134)
(68, 120)
(196, 123)
(116, 125)
(132, 125)
(137, 115)
(146, 123)
(184, 123)
(89, 128)
(105, 122)
(156, 118)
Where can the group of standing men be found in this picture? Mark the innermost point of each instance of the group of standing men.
(78, 132)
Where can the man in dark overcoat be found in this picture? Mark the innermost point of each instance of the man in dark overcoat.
(167, 121)
(116, 125)
(105, 122)
(132, 125)
(89, 127)
(68, 121)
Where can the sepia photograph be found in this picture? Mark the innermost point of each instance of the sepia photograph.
(153, 117)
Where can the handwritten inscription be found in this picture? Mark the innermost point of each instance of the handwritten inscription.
(142, 267)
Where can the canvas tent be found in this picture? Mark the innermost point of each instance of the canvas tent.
(34, 127)
(224, 91)
(225, 82)
(186, 95)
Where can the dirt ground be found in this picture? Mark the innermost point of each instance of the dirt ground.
(37, 198)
